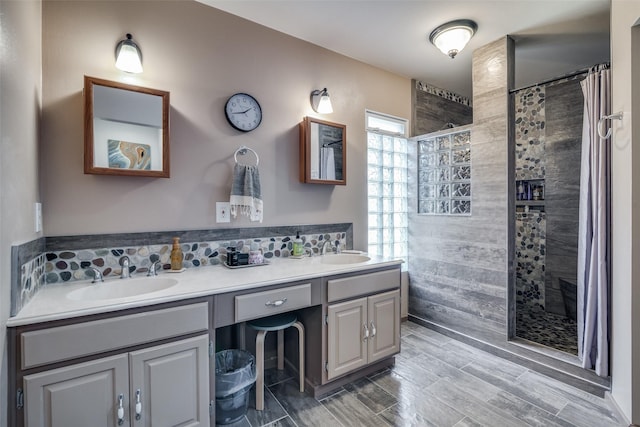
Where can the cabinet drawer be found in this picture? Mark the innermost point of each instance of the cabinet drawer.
(62, 343)
(363, 284)
(260, 304)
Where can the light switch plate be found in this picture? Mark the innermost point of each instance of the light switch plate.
(222, 212)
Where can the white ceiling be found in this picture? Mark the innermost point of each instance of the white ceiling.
(553, 37)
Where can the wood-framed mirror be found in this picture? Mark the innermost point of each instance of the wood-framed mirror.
(126, 129)
(323, 152)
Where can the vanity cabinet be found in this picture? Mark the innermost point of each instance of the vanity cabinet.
(364, 329)
(165, 385)
(138, 368)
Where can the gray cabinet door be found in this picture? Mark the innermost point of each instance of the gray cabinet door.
(384, 325)
(171, 382)
(81, 395)
(347, 337)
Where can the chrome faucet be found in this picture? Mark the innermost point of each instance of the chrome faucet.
(125, 262)
(153, 270)
(97, 276)
(323, 248)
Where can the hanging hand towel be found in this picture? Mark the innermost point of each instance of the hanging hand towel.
(245, 192)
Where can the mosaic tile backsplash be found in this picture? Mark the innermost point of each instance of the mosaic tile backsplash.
(32, 278)
(68, 265)
(443, 93)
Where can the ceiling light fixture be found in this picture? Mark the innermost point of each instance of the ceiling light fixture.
(128, 56)
(453, 36)
(322, 105)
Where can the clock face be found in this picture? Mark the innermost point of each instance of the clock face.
(243, 112)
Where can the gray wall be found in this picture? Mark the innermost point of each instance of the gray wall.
(187, 51)
(458, 268)
(564, 108)
(432, 112)
(21, 89)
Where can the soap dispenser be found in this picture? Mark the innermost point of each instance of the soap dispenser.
(176, 255)
(298, 245)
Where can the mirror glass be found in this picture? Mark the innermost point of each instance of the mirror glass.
(126, 129)
(323, 152)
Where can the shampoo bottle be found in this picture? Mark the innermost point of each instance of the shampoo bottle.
(176, 255)
(298, 245)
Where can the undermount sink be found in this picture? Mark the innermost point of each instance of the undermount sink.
(344, 259)
(122, 288)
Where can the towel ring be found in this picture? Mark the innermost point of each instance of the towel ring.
(243, 150)
(616, 116)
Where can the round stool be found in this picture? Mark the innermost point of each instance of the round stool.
(279, 323)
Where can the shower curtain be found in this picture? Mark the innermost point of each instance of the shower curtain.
(593, 233)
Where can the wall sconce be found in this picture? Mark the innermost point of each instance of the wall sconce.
(128, 56)
(453, 36)
(323, 104)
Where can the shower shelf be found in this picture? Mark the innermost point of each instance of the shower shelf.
(529, 202)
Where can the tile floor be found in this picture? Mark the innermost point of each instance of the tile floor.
(440, 382)
(552, 330)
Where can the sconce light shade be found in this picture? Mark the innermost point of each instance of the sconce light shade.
(128, 56)
(453, 36)
(323, 104)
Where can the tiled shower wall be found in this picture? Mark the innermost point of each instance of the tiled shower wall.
(548, 131)
(68, 259)
(530, 164)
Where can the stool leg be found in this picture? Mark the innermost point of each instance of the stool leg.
(300, 327)
(281, 349)
(260, 370)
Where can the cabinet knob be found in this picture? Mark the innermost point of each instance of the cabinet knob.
(138, 405)
(373, 329)
(120, 409)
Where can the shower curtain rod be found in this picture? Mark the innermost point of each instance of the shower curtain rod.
(566, 76)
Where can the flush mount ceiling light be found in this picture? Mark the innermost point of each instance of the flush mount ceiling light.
(128, 56)
(320, 101)
(453, 36)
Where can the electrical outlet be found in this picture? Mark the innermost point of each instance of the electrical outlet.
(38, 217)
(222, 212)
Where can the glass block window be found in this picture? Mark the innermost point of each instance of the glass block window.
(444, 174)
(387, 155)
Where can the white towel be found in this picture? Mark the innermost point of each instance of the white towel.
(327, 164)
(246, 195)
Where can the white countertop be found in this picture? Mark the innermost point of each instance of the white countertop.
(52, 303)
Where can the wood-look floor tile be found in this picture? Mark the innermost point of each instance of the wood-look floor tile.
(588, 417)
(425, 410)
(283, 422)
(528, 413)
(468, 422)
(371, 395)
(303, 409)
(570, 394)
(349, 410)
(518, 388)
(501, 368)
(272, 409)
(411, 371)
(471, 406)
(242, 422)
(396, 385)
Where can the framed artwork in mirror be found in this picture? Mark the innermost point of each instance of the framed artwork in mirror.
(126, 129)
(323, 152)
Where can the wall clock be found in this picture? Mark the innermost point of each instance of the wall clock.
(243, 112)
